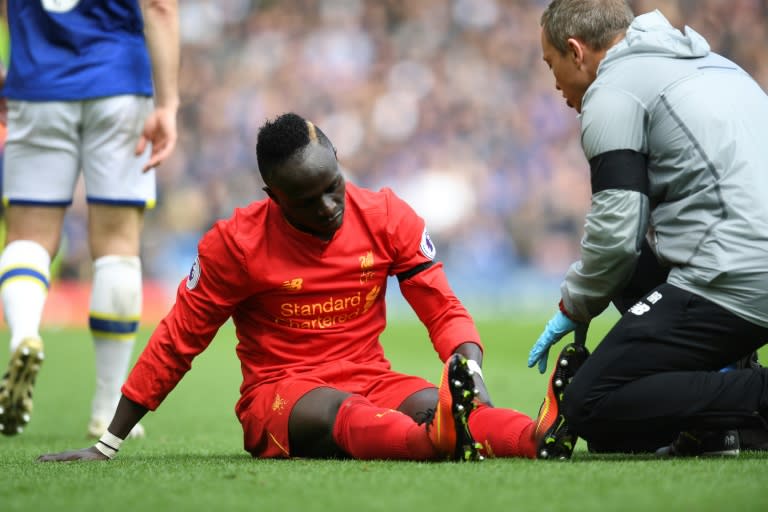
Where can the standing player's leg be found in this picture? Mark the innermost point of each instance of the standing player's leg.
(117, 194)
(40, 170)
(24, 281)
(115, 306)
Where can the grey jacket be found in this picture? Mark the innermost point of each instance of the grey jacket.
(703, 124)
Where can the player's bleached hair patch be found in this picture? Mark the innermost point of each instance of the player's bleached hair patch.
(312, 131)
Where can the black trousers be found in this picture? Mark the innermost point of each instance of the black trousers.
(657, 371)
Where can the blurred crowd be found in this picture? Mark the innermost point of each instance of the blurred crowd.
(445, 101)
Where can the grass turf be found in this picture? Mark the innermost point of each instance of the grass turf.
(193, 460)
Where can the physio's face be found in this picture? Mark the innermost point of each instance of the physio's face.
(309, 188)
(572, 76)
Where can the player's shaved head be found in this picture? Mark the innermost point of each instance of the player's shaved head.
(284, 138)
(597, 23)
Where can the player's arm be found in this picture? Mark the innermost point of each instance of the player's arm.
(161, 31)
(424, 285)
(216, 284)
(447, 320)
(161, 365)
(450, 326)
(127, 415)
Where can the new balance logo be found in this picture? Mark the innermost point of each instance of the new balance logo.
(293, 285)
(654, 297)
(640, 308)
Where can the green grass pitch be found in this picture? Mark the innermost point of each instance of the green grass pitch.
(192, 458)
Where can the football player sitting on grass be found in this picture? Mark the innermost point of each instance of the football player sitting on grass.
(303, 275)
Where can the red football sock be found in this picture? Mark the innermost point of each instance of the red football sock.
(503, 432)
(366, 431)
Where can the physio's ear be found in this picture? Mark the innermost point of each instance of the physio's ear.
(576, 51)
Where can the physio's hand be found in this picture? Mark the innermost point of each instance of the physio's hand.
(556, 328)
(90, 453)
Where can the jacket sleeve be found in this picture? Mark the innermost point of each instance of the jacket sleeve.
(614, 142)
(610, 247)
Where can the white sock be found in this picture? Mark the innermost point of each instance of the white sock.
(114, 319)
(24, 282)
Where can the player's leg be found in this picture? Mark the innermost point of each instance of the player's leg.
(657, 370)
(504, 432)
(444, 411)
(114, 312)
(117, 192)
(311, 417)
(448, 426)
(330, 423)
(387, 415)
(311, 424)
(40, 170)
(24, 283)
(32, 237)
(307, 416)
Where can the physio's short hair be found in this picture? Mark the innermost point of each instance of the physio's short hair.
(282, 138)
(595, 22)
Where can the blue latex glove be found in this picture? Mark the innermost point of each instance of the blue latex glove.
(558, 326)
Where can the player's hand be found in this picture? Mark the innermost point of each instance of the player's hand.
(482, 392)
(474, 355)
(482, 395)
(90, 453)
(556, 328)
(159, 131)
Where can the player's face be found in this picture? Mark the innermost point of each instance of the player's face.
(570, 71)
(310, 191)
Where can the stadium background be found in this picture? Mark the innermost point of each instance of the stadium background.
(445, 101)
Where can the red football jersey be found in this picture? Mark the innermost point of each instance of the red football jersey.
(299, 302)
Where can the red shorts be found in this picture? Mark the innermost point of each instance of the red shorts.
(265, 417)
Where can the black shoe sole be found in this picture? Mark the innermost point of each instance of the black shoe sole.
(463, 392)
(14, 415)
(558, 441)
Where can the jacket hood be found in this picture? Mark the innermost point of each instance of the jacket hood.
(653, 34)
